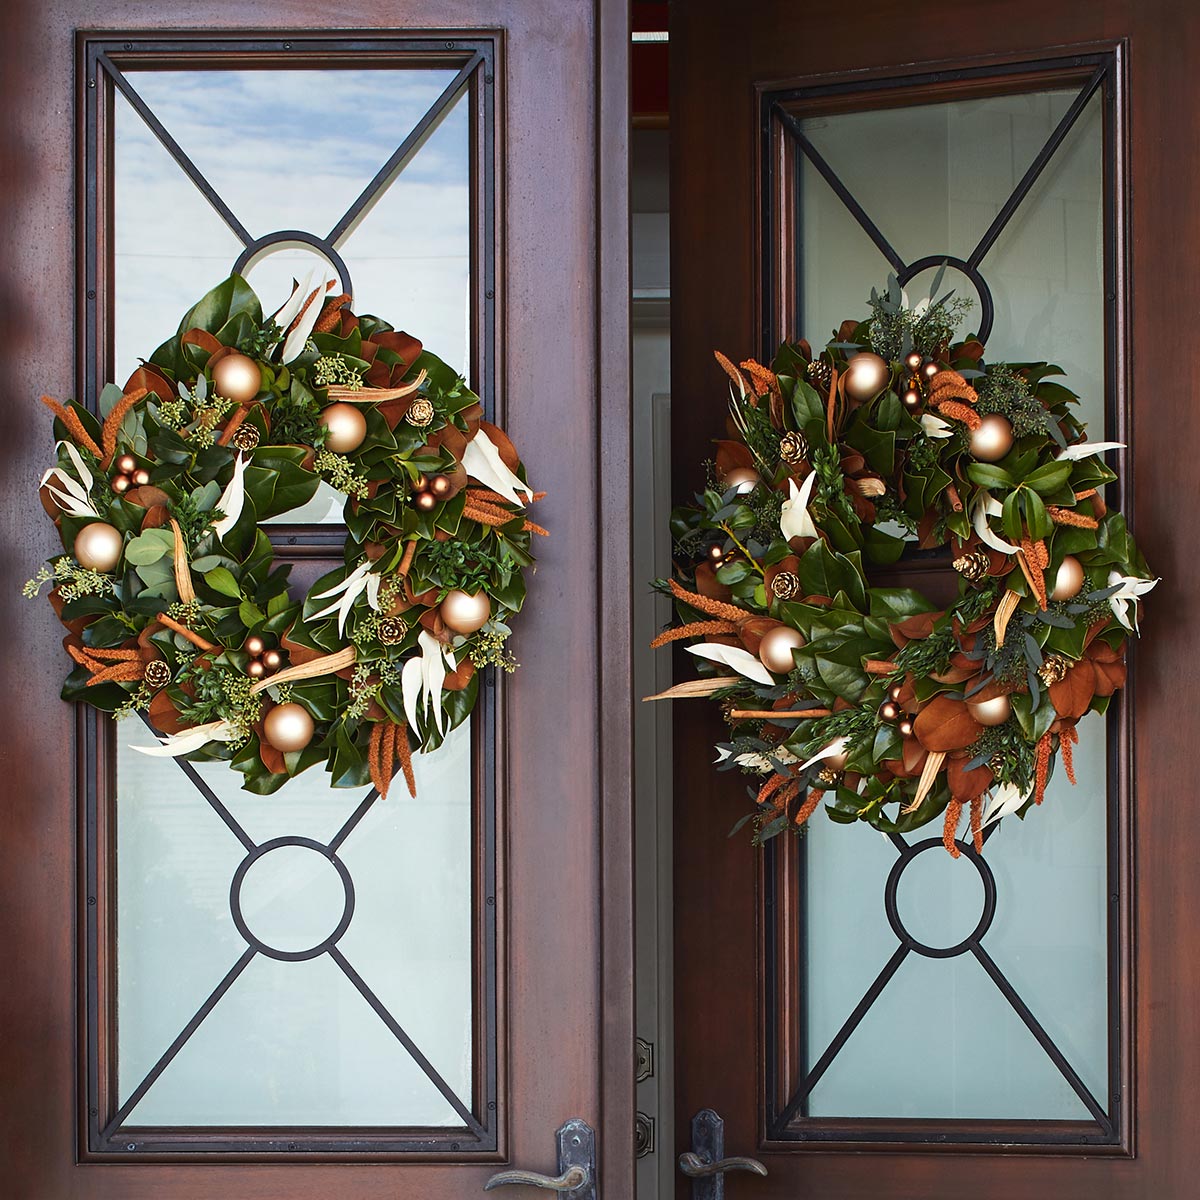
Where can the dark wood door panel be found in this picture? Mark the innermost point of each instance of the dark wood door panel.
(561, 307)
(720, 54)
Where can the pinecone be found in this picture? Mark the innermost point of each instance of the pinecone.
(420, 413)
(245, 437)
(829, 777)
(392, 631)
(785, 585)
(157, 674)
(793, 448)
(973, 565)
(820, 374)
(1054, 669)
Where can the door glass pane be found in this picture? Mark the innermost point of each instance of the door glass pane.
(1019, 1030)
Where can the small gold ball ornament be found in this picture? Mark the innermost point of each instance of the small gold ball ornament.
(345, 426)
(905, 727)
(272, 660)
(288, 727)
(741, 479)
(253, 645)
(126, 464)
(141, 477)
(1068, 580)
(121, 484)
(913, 361)
(990, 712)
(420, 413)
(775, 649)
(425, 501)
(98, 547)
(440, 486)
(255, 669)
(866, 375)
(992, 440)
(465, 613)
(930, 369)
(716, 554)
(889, 711)
(911, 399)
(896, 691)
(237, 378)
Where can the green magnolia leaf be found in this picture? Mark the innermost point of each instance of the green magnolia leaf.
(989, 475)
(221, 580)
(1049, 478)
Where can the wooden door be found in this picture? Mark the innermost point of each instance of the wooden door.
(540, 89)
(760, 944)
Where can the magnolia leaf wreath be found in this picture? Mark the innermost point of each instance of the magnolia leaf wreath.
(168, 588)
(871, 699)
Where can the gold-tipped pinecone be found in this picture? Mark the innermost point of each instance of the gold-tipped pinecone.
(1054, 669)
(157, 674)
(996, 762)
(392, 631)
(820, 374)
(245, 437)
(785, 585)
(829, 777)
(793, 448)
(973, 565)
(420, 412)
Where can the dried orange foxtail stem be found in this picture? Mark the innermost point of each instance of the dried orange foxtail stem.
(375, 759)
(331, 314)
(809, 806)
(950, 826)
(1068, 516)
(1066, 743)
(692, 629)
(112, 423)
(714, 608)
(957, 411)
(977, 823)
(404, 753)
(70, 418)
(1041, 773)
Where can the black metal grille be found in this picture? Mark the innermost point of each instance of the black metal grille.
(792, 1121)
(103, 63)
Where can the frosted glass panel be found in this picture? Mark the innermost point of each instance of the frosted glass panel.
(353, 920)
(940, 1038)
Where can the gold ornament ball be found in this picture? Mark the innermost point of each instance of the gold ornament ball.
(237, 378)
(775, 649)
(425, 501)
(465, 613)
(120, 484)
(837, 760)
(866, 375)
(930, 369)
(911, 399)
(906, 727)
(254, 645)
(255, 669)
(440, 486)
(741, 479)
(272, 660)
(895, 691)
(288, 727)
(1068, 581)
(913, 361)
(993, 439)
(889, 710)
(141, 477)
(345, 427)
(98, 547)
(990, 712)
(126, 464)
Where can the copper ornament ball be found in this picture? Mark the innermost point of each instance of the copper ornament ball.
(911, 399)
(895, 691)
(440, 486)
(121, 484)
(126, 464)
(254, 645)
(715, 553)
(237, 378)
(741, 479)
(465, 613)
(425, 501)
(272, 660)
(992, 440)
(775, 649)
(990, 712)
(866, 375)
(1068, 580)
(906, 727)
(930, 369)
(889, 710)
(255, 669)
(345, 427)
(913, 361)
(288, 727)
(141, 477)
(98, 547)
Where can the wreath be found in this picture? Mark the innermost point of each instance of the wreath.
(870, 699)
(168, 588)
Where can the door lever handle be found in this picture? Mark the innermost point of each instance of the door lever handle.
(695, 1167)
(576, 1164)
(571, 1179)
(705, 1163)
